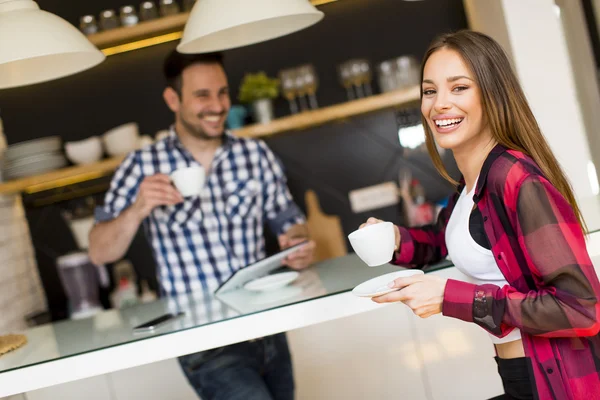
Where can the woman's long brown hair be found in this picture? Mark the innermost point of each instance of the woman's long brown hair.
(506, 110)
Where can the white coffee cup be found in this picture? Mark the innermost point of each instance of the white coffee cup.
(189, 181)
(374, 244)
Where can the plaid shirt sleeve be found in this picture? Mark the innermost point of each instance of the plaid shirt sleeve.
(280, 209)
(565, 302)
(123, 189)
(426, 244)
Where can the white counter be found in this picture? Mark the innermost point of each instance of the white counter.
(71, 350)
(74, 350)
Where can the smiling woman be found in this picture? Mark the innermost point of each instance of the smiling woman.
(479, 81)
(451, 105)
(513, 227)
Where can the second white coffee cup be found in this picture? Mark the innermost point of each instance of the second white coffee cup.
(374, 244)
(189, 181)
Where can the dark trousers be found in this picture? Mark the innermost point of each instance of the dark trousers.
(254, 370)
(516, 379)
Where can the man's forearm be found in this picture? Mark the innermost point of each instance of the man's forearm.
(110, 240)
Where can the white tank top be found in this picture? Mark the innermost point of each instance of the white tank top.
(469, 257)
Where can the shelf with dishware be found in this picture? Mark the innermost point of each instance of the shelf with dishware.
(146, 32)
(80, 173)
(61, 177)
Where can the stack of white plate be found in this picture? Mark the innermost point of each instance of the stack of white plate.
(33, 157)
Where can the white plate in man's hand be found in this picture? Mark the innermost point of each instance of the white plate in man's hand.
(271, 282)
(378, 286)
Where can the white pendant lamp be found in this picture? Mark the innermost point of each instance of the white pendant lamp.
(216, 25)
(37, 46)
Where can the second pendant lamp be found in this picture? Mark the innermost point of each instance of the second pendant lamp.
(216, 25)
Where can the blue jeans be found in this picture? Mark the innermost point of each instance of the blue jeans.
(255, 370)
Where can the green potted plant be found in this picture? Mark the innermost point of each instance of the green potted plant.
(259, 90)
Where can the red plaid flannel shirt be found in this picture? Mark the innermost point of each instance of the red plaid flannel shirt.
(552, 291)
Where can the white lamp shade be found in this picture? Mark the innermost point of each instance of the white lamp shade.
(216, 25)
(37, 46)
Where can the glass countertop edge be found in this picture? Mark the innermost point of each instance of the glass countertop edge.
(160, 334)
(427, 269)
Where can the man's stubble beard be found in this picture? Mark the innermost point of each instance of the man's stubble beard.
(197, 131)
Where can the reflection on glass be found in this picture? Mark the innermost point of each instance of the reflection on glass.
(309, 284)
(199, 308)
(275, 296)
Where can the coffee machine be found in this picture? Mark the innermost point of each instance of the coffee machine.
(80, 278)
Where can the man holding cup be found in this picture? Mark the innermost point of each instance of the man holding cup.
(202, 232)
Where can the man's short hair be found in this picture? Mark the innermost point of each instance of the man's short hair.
(176, 62)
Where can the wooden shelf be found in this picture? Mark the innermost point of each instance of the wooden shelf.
(321, 116)
(150, 29)
(81, 173)
(61, 177)
(143, 30)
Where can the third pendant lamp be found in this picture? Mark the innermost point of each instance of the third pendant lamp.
(216, 25)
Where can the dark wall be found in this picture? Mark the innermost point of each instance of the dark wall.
(362, 151)
(128, 87)
(332, 159)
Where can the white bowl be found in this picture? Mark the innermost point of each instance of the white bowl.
(85, 151)
(122, 139)
(374, 244)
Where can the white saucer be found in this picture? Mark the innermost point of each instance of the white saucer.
(379, 285)
(271, 282)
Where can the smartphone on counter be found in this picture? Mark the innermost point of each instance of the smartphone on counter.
(156, 323)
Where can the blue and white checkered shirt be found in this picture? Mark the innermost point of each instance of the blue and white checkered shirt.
(200, 243)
